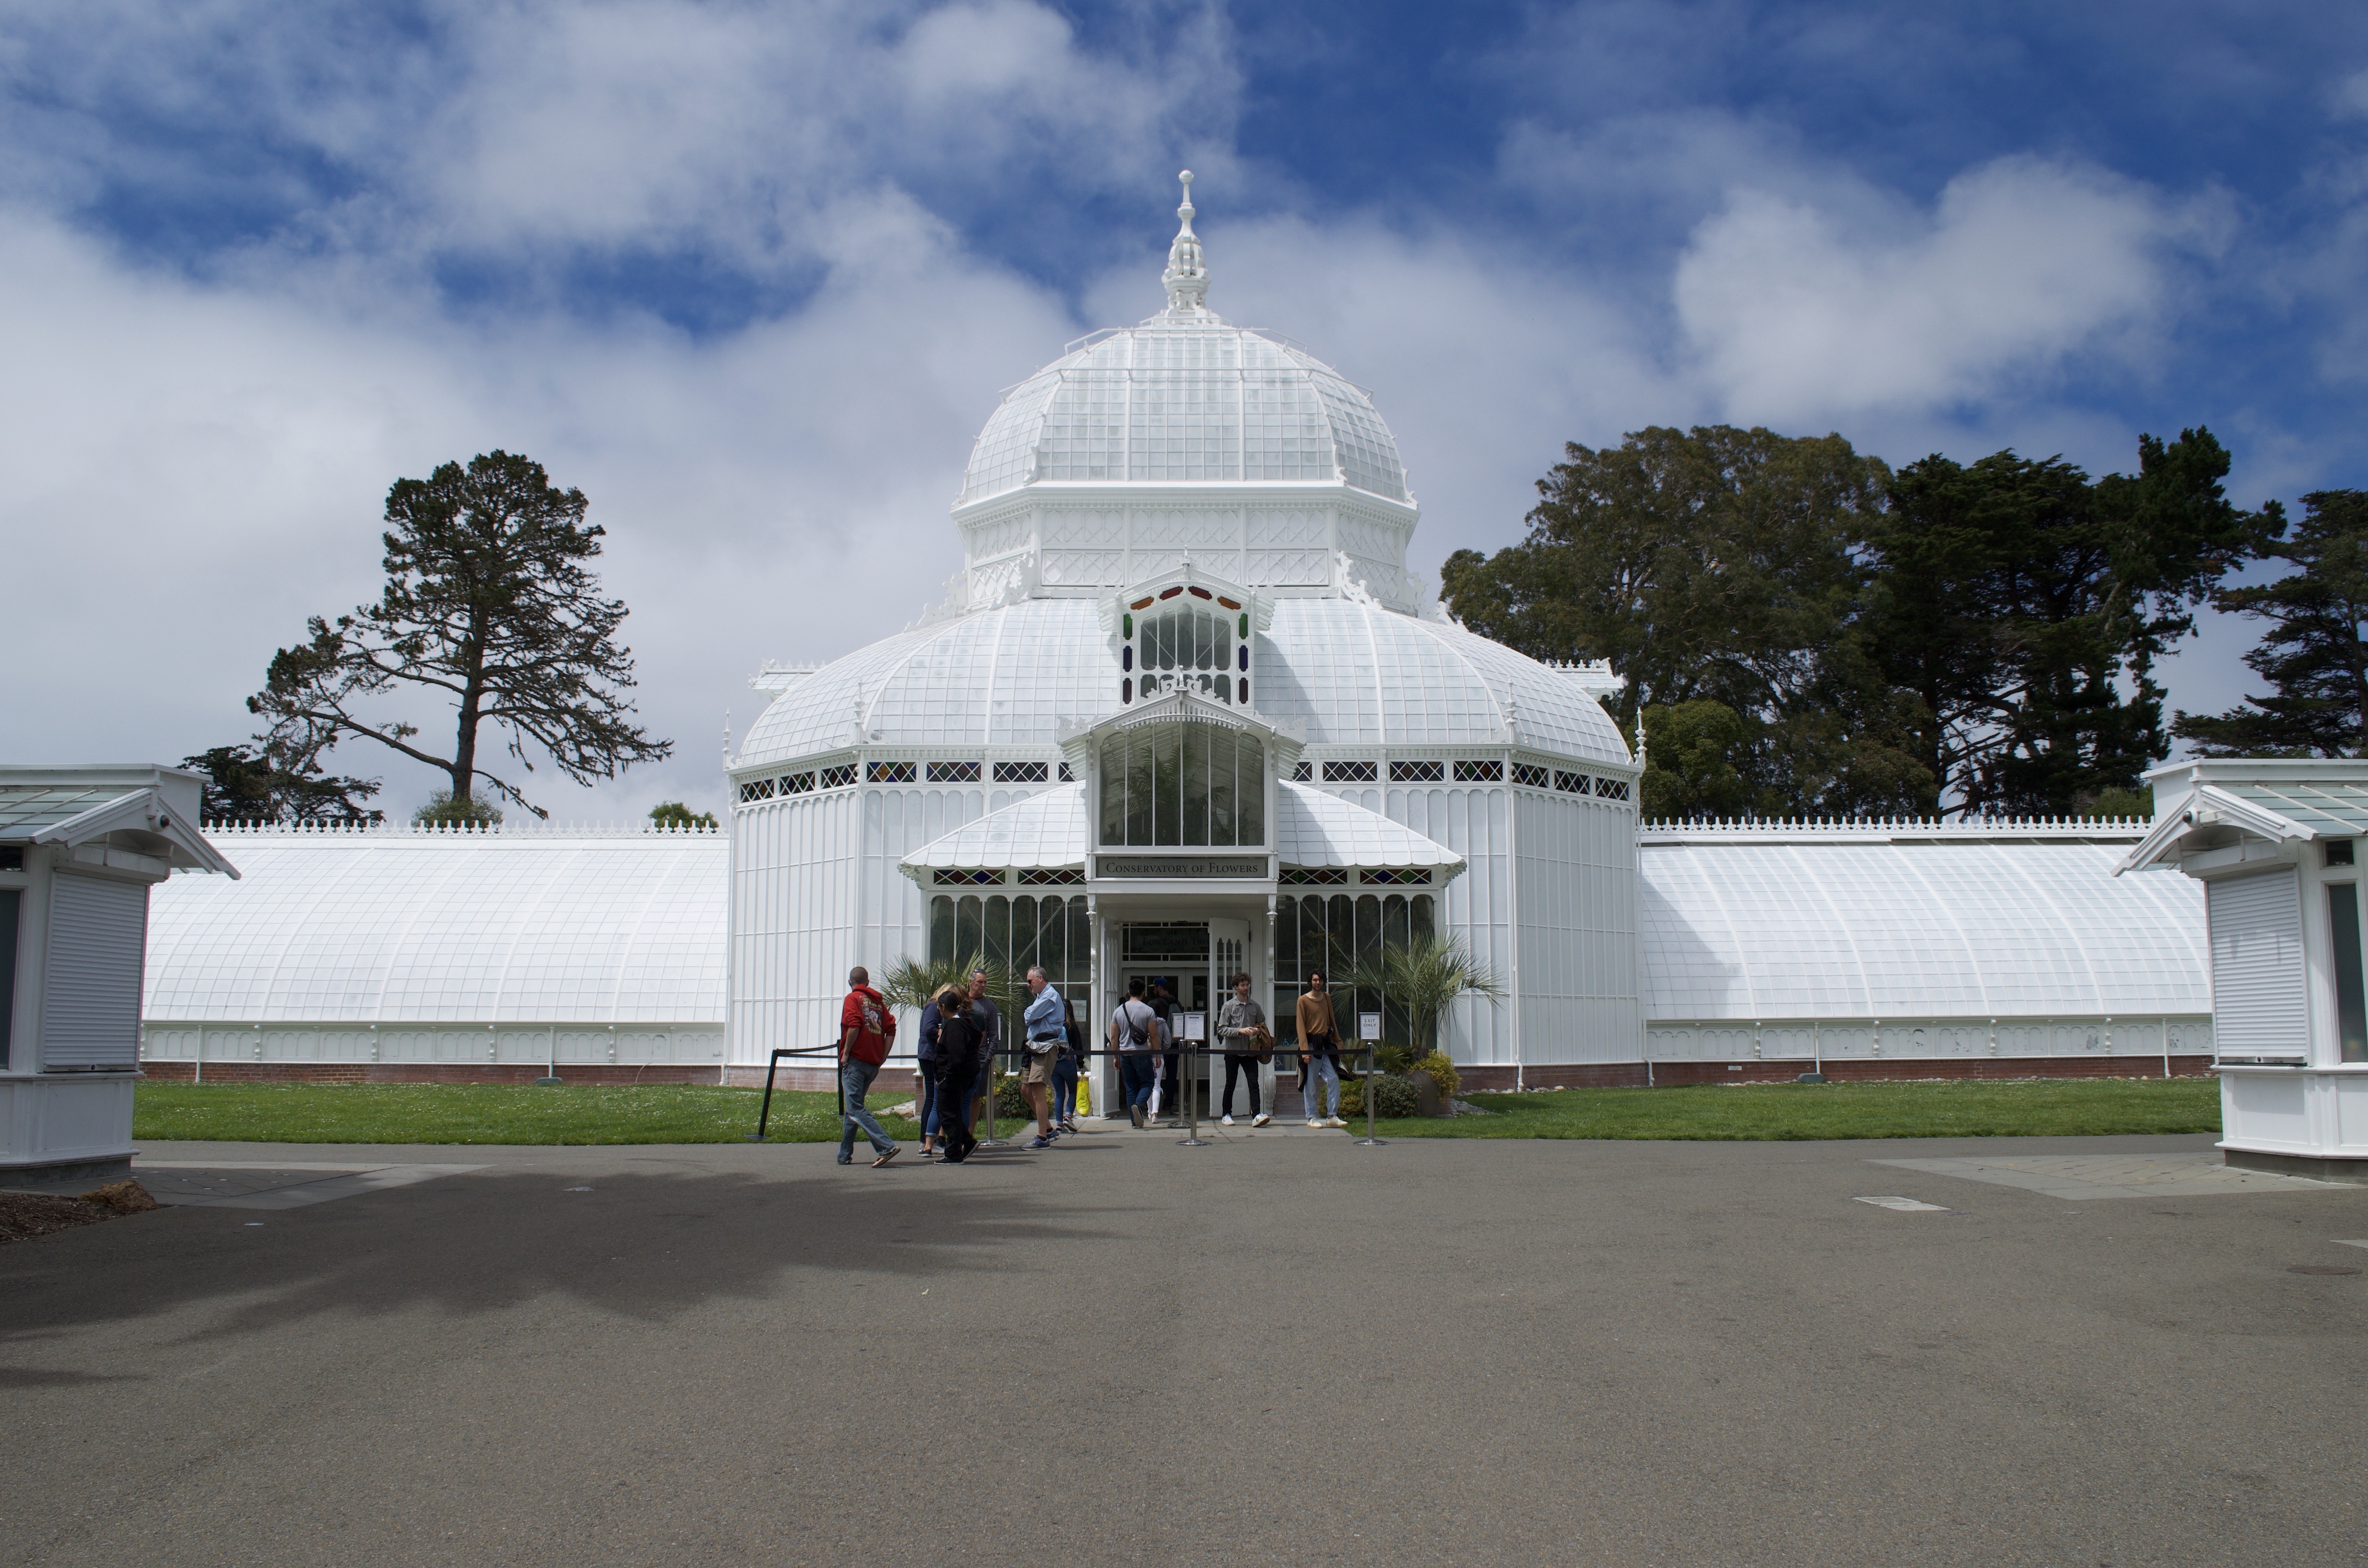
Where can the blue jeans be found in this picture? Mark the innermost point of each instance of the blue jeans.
(1064, 1087)
(855, 1082)
(1320, 1069)
(1135, 1076)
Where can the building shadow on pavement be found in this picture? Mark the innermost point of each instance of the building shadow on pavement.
(643, 1245)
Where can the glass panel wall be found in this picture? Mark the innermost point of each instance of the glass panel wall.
(1183, 785)
(1332, 934)
(1020, 931)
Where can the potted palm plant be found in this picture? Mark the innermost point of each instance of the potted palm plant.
(1423, 976)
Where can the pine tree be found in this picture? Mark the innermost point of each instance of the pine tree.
(488, 602)
(2312, 656)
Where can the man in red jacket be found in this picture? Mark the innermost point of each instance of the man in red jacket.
(867, 1027)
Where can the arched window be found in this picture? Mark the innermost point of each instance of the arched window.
(1183, 784)
(1187, 650)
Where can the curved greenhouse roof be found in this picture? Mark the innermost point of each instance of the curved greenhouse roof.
(392, 925)
(1947, 928)
(1351, 671)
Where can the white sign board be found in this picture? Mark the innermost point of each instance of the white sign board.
(1369, 1026)
(1191, 1026)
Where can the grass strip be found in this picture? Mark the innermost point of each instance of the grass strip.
(485, 1113)
(2018, 1108)
(466, 1113)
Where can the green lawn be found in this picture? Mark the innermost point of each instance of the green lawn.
(457, 1113)
(438, 1113)
(2022, 1107)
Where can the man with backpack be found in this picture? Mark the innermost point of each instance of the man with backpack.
(867, 1027)
(1134, 1032)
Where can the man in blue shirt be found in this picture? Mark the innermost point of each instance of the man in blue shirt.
(1045, 1025)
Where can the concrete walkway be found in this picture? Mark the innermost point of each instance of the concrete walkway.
(1283, 1349)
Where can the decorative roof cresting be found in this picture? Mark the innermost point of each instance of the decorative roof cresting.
(1187, 277)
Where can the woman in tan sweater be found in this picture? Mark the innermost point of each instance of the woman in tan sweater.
(1319, 1047)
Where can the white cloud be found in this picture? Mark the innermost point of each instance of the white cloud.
(1795, 316)
(195, 469)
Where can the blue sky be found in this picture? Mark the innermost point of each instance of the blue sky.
(753, 276)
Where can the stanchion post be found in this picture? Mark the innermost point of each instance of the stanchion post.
(1371, 1062)
(1191, 1139)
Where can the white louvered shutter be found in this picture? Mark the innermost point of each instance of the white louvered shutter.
(90, 1011)
(2257, 968)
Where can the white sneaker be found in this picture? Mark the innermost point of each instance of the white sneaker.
(1334, 1122)
(1260, 1119)
(1228, 1120)
(1313, 1121)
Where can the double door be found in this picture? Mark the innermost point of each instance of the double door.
(1197, 980)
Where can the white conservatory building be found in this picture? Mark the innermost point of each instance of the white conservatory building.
(1185, 712)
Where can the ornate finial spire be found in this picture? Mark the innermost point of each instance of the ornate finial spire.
(1187, 276)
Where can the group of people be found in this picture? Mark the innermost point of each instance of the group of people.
(962, 1030)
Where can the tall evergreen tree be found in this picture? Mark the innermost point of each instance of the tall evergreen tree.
(488, 602)
(2312, 655)
(2024, 606)
(1716, 569)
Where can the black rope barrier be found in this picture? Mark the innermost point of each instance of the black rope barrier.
(1188, 1086)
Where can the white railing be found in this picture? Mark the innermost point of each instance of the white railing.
(316, 827)
(1871, 828)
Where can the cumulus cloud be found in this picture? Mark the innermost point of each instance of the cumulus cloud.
(2022, 265)
(194, 469)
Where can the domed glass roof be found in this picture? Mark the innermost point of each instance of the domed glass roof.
(1180, 401)
(1184, 397)
(1346, 673)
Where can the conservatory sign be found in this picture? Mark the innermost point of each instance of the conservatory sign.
(1177, 866)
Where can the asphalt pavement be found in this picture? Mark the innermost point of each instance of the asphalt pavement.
(1288, 1350)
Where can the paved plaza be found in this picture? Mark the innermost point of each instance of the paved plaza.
(1283, 1349)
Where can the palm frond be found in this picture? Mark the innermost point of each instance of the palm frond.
(1423, 976)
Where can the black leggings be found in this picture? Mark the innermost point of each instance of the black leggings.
(1248, 1067)
(954, 1135)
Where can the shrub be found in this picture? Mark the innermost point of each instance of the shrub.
(1393, 1058)
(1442, 1072)
(1392, 1096)
(1009, 1103)
(442, 808)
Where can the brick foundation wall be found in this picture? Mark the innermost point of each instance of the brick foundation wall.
(419, 1073)
(1674, 1075)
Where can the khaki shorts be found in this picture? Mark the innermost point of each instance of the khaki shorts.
(1039, 1069)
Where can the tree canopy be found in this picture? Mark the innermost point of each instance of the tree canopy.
(2023, 607)
(1806, 632)
(488, 605)
(1717, 569)
(2311, 655)
(246, 784)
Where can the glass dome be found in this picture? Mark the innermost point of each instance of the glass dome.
(1184, 398)
(1184, 402)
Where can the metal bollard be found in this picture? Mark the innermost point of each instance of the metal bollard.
(1372, 1065)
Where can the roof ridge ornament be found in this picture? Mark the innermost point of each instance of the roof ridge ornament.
(1187, 278)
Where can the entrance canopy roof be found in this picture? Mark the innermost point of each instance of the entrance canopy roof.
(1050, 831)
